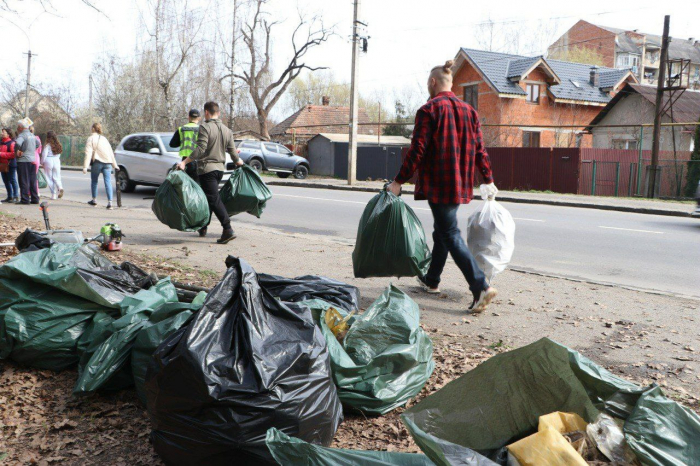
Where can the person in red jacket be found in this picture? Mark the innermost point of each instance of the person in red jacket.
(7, 156)
(447, 150)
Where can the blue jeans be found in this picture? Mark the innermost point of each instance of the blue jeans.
(10, 180)
(106, 170)
(448, 238)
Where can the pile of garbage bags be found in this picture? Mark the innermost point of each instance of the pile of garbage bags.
(246, 362)
(180, 203)
(245, 191)
(390, 240)
(68, 304)
(539, 404)
(491, 236)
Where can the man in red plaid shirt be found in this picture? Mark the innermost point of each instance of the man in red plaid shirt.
(446, 148)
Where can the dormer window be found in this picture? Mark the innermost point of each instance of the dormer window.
(533, 93)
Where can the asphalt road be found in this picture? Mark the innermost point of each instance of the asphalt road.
(639, 251)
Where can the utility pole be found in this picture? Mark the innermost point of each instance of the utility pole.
(654, 167)
(233, 63)
(352, 146)
(90, 98)
(29, 76)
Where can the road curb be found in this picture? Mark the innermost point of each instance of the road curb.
(504, 198)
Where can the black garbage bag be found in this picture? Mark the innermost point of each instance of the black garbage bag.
(32, 240)
(312, 287)
(245, 363)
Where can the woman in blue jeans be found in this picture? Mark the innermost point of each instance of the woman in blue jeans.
(7, 156)
(99, 155)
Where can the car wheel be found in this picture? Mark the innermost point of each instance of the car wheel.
(125, 184)
(256, 165)
(301, 172)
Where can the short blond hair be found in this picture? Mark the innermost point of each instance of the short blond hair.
(443, 73)
(97, 128)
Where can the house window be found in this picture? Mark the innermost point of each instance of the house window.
(533, 93)
(471, 95)
(531, 139)
(626, 144)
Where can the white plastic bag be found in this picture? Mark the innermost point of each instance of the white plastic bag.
(491, 236)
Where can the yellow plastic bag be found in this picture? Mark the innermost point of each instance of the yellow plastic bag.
(562, 422)
(548, 447)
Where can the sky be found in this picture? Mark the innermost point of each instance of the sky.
(407, 37)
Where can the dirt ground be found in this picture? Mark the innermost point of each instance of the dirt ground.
(644, 337)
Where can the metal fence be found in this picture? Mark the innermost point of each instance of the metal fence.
(73, 150)
(624, 179)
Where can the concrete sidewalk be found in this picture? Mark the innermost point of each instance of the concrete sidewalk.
(640, 206)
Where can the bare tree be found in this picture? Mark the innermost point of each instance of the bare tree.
(265, 90)
(175, 33)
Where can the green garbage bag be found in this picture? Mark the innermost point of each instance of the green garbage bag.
(288, 450)
(390, 240)
(385, 358)
(245, 191)
(164, 321)
(110, 346)
(501, 400)
(78, 269)
(497, 403)
(41, 326)
(41, 178)
(180, 203)
(662, 432)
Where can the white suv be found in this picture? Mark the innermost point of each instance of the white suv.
(147, 159)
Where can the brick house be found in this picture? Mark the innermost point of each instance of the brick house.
(633, 50)
(533, 93)
(297, 129)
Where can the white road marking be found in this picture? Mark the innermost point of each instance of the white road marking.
(320, 199)
(632, 229)
(528, 219)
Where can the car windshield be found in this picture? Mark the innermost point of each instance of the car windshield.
(166, 142)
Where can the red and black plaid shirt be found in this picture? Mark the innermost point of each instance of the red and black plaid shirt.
(447, 143)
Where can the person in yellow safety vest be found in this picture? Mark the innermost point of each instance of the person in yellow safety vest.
(185, 137)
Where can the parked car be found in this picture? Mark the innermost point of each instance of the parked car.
(147, 159)
(270, 156)
(696, 213)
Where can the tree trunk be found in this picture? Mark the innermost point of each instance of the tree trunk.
(262, 122)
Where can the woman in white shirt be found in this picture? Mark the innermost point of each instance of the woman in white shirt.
(99, 154)
(51, 161)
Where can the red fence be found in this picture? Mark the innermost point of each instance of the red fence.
(537, 169)
(599, 172)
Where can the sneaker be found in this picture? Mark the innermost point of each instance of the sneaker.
(9, 199)
(109, 206)
(202, 232)
(424, 286)
(482, 301)
(226, 236)
(16, 200)
(60, 193)
(92, 202)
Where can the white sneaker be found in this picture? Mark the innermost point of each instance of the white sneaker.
(485, 297)
(424, 286)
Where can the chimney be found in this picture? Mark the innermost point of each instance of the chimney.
(691, 39)
(325, 100)
(594, 76)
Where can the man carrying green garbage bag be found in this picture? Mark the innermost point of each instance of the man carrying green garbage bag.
(213, 141)
(447, 144)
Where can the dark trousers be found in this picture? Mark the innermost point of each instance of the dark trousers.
(191, 170)
(26, 172)
(448, 238)
(210, 185)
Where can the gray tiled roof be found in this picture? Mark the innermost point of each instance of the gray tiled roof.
(516, 68)
(608, 79)
(575, 77)
(678, 48)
